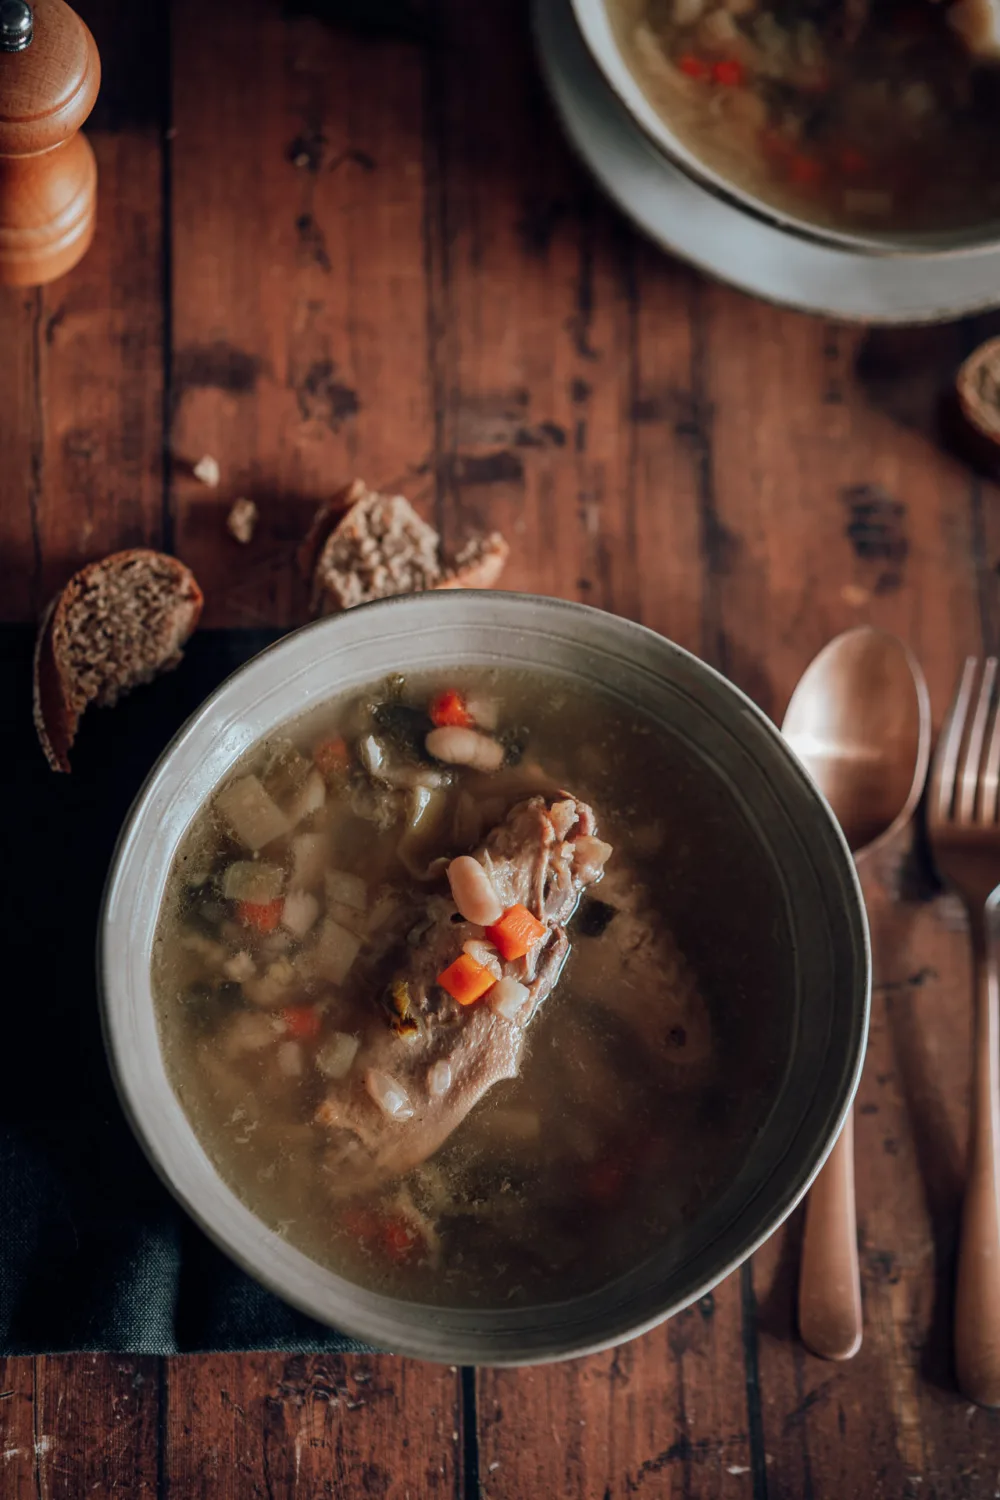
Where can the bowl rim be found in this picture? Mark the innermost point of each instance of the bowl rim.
(594, 25)
(621, 1326)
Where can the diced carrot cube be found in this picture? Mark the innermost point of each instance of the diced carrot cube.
(332, 757)
(449, 710)
(465, 980)
(263, 917)
(516, 933)
(729, 73)
(302, 1022)
(693, 67)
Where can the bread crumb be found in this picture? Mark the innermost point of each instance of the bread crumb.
(242, 520)
(207, 470)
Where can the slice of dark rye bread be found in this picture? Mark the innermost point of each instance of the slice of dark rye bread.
(364, 546)
(116, 624)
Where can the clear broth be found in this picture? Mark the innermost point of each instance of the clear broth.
(563, 1178)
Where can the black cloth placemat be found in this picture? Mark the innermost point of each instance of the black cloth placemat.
(94, 1252)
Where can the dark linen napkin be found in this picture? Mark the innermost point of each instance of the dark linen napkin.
(94, 1253)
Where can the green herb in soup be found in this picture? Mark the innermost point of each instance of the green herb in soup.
(423, 997)
(872, 115)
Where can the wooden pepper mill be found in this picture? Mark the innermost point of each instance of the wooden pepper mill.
(50, 72)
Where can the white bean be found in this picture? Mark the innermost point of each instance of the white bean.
(474, 892)
(299, 912)
(465, 747)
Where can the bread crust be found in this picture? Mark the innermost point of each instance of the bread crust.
(58, 699)
(340, 527)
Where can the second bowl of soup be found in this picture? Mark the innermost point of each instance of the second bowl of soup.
(876, 125)
(494, 978)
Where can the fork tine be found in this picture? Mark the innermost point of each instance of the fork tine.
(949, 747)
(965, 807)
(989, 783)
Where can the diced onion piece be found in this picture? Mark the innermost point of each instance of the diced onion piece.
(336, 951)
(349, 890)
(249, 1031)
(255, 818)
(438, 1079)
(484, 953)
(309, 855)
(252, 880)
(390, 1096)
(299, 912)
(240, 967)
(335, 1057)
(508, 998)
(474, 892)
(371, 753)
(290, 1059)
(347, 916)
(310, 797)
(484, 710)
(385, 907)
(269, 990)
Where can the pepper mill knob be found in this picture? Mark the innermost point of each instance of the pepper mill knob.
(16, 25)
(50, 72)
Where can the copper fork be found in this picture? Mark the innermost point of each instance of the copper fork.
(964, 824)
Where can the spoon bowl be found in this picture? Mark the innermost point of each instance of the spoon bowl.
(860, 722)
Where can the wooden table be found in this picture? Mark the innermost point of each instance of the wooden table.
(321, 255)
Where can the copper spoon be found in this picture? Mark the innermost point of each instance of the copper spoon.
(860, 722)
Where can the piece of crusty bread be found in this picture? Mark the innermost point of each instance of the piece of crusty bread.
(364, 546)
(978, 386)
(117, 623)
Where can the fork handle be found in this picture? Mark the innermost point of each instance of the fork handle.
(829, 1283)
(977, 1302)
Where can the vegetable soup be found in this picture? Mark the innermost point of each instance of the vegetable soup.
(440, 988)
(865, 115)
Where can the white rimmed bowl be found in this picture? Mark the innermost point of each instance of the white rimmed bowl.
(821, 912)
(594, 22)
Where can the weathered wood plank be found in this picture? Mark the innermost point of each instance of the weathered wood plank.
(838, 508)
(569, 415)
(18, 1473)
(22, 443)
(82, 377)
(664, 1415)
(95, 1426)
(310, 1426)
(299, 314)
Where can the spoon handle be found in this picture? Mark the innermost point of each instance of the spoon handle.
(829, 1282)
(977, 1301)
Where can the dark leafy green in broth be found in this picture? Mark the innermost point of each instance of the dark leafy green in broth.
(867, 115)
(598, 1088)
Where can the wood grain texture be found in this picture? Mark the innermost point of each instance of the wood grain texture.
(299, 315)
(294, 1425)
(82, 373)
(382, 259)
(80, 1424)
(17, 1429)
